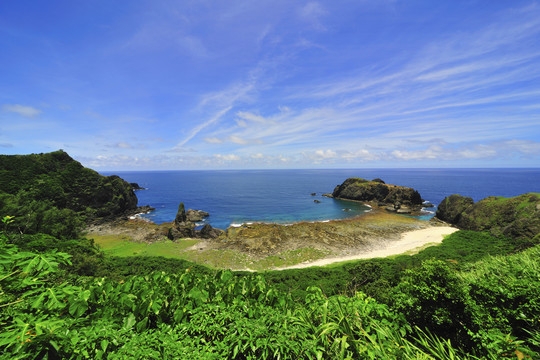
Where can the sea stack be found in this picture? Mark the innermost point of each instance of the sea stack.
(393, 197)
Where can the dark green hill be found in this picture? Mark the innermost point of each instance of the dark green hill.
(516, 217)
(42, 190)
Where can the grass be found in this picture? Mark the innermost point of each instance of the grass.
(121, 245)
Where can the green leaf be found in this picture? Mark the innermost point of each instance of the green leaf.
(129, 321)
(104, 345)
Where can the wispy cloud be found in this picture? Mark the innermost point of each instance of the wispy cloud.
(26, 111)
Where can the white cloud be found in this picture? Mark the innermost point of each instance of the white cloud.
(123, 145)
(326, 154)
(26, 111)
(213, 140)
(227, 157)
(242, 141)
(200, 127)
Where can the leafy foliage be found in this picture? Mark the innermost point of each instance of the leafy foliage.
(194, 314)
(52, 193)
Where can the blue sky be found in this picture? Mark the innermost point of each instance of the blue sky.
(149, 85)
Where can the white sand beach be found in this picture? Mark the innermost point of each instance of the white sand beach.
(409, 241)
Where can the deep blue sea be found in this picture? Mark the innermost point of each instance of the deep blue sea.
(284, 196)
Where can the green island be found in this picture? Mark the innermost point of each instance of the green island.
(82, 278)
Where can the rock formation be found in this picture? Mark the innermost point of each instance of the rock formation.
(196, 215)
(136, 186)
(517, 217)
(184, 225)
(395, 198)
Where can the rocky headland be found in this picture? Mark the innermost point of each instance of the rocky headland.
(399, 199)
(62, 182)
(516, 217)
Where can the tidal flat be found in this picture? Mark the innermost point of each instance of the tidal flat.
(266, 246)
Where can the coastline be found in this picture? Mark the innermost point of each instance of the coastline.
(409, 241)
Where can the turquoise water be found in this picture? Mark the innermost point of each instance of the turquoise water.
(284, 196)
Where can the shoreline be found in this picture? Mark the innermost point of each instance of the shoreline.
(408, 241)
(267, 247)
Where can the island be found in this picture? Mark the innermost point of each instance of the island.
(400, 199)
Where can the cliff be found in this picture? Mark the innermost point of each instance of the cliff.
(377, 191)
(517, 217)
(39, 188)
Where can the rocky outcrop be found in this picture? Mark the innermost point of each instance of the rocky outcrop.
(392, 196)
(196, 215)
(136, 186)
(184, 225)
(517, 217)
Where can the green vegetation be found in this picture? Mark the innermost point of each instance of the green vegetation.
(63, 296)
(517, 217)
(122, 245)
(54, 194)
(377, 277)
(485, 309)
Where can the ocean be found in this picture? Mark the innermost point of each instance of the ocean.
(233, 197)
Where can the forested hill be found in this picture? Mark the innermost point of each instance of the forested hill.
(53, 193)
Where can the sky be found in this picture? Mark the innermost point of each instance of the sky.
(173, 85)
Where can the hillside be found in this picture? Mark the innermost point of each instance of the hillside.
(516, 217)
(39, 188)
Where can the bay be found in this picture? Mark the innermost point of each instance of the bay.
(233, 197)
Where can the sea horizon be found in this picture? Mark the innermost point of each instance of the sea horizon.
(283, 196)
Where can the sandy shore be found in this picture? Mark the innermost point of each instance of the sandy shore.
(409, 241)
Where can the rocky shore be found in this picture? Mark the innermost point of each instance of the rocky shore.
(255, 243)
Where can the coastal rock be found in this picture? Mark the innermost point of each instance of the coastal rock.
(178, 232)
(136, 186)
(377, 191)
(208, 232)
(184, 225)
(517, 217)
(313, 194)
(181, 217)
(145, 209)
(196, 215)
(328, 195)
(317, 201)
